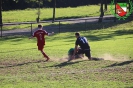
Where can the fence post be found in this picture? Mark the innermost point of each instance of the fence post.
(31, 29)
(1, 30)
(85, 24)
(115, 11)
(59, 26)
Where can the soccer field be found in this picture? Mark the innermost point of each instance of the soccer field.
(115, 43)
(23, 66)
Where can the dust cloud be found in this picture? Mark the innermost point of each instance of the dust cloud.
(105, 56)
(113, 58)
(57, 59)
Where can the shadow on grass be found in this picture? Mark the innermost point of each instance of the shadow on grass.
(63, 64)
(14, 38)
(38, 61)
(17, 39)
(110, 35)
(21, 64)
(129, 87)
(77, 27)
(121, 64)
(67, 63)
(69, 38)
(90, 24)
(18, 50)
(98, 37)
(82, 25)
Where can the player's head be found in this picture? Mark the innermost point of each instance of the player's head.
(40, 26)
(77, 34)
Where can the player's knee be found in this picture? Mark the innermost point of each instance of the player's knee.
(41, 51)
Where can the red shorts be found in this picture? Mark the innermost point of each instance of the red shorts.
(40, 46)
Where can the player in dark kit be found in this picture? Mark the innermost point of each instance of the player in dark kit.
(84, 45)
(40, 35)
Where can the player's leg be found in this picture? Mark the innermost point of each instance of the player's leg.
(88, 54)
(45, 55)
(40, 47)
(80, 53)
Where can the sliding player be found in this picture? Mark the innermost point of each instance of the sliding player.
(83, 43)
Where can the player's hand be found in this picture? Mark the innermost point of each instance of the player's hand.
(52, 33)
(73, 57)
(30, 37)
(49, 34)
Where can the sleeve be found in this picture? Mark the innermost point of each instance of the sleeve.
(77, 43)
(45, 32)
(34, 34)
(86, 40)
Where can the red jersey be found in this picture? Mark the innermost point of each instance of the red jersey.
(40, 35)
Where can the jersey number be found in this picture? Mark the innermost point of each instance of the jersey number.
(40, 36)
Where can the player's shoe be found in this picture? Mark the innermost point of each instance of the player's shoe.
(47, 59)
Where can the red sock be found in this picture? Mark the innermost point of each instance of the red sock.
(45, 55)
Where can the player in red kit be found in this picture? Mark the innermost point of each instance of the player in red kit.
(40, 35)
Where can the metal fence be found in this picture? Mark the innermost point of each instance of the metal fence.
(59, 26)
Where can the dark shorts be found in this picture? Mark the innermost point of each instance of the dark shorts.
(86, 52)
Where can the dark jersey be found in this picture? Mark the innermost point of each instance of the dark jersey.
(83, 43)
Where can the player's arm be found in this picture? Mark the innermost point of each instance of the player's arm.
(49, 34)
(75, 50)
(33, 35)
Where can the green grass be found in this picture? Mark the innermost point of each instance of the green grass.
(101, 42)
(47, 13)
(23, 66)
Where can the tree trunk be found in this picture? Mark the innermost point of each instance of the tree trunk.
(0, 12)
(54, 6)
(115, 11)
(105, 7)
(38, 13)
(102, 12)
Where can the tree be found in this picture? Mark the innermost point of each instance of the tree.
(39, 12)
(105, 5)
(54, 6)
(102, 12)
(0, 11)
(23, 4)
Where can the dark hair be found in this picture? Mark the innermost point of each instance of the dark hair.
(39, 26)
(77, 34)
